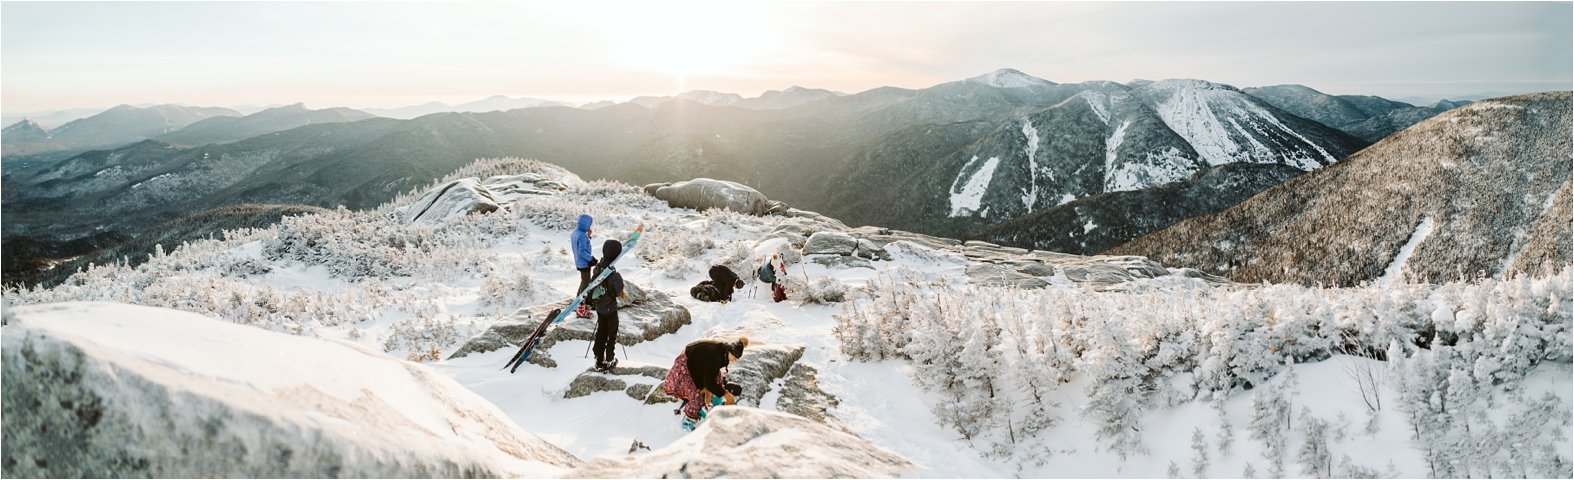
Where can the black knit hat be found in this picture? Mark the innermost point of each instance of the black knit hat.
(737, 346)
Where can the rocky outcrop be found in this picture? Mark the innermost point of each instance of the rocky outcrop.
(113, 390)
(742, 442)
(459, 197)
(801, 395)
(830, 243)
(634, 379)
(645, 315)
(468, 195)
(760, 365)
(706, 193)
(998, 266)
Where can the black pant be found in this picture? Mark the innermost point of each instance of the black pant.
(584, 279)
(605, 344)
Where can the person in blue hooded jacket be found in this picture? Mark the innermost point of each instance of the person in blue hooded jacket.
(583, 260)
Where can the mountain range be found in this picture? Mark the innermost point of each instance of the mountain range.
(959, 159)
(114, 127)
(1480, 191)
(1365, 116)
(229, 129)
(495, 102)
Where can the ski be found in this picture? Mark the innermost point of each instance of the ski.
(558, 315)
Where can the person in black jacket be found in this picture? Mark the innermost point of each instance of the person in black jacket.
(695, 376)
(720, 286)
(725, 281)
(606, 306)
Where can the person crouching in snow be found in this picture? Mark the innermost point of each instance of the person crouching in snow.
(605, 299)
(583, 260)
(696, 378)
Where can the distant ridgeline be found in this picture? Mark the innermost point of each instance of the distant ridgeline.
(1003, 157)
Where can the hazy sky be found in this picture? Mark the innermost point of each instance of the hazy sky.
(373, 54)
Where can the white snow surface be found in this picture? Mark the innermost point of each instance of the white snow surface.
(967, 191)
(1205, 114)
(371, 408)
(1396, 268)
(742, 442)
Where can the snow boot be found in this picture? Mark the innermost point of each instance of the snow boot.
(689, 424)
(583, 311)
(611, 363)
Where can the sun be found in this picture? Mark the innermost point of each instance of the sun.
(690, 39)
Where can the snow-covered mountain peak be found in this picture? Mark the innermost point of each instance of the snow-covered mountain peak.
(1010, 78)
(711, 97)
(1187, 84)
(1226, 125)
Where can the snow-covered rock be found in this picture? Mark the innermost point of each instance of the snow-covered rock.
(632, 378)
(801, 395)
(114, 390)
(471, 195)
(760, 365)
(460, 197)
(645, 315)
(706, 193)
(841, 261)
(830, 243)
(742, 442)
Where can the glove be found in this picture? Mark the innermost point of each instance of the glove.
(593, 261)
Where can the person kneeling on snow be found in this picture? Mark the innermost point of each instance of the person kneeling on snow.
(720, 286)
(696, 378)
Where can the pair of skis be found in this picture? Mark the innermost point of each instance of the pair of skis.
(558, 314)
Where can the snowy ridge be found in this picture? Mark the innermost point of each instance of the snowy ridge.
(1199, 112)
(967, 191)
(1009, 78)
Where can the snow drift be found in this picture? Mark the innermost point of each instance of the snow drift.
(741, 442)
(113, 390)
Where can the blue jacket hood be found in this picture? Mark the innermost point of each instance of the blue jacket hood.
(581, 242)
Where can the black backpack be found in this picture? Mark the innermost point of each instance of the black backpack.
(705, 292)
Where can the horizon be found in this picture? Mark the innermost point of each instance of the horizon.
(79, 55)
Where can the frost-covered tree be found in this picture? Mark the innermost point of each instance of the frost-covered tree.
(1270, 423)
(1314, 457)
(1199, 448)
(1115, 388)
